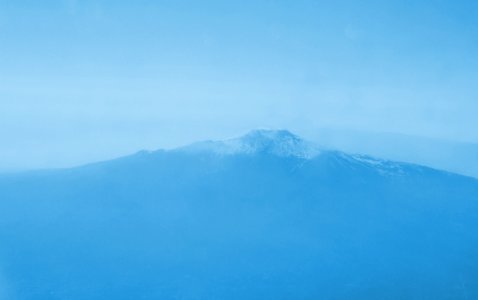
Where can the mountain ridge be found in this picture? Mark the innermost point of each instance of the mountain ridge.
(276, 142)
(283, 143)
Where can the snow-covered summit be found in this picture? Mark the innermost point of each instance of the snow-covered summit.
(283, 143)
(277, 142)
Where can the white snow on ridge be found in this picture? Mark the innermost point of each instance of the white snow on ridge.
(283, 143)
(278, 142)
(384, 167)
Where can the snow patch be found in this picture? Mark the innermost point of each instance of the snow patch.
(384, 167)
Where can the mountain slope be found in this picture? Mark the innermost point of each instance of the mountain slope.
(265, 216)
(457, 157)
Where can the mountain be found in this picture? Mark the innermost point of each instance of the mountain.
(264, 216)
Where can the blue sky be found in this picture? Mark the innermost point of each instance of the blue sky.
(88, 80)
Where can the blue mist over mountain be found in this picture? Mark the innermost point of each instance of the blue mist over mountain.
(264, 216)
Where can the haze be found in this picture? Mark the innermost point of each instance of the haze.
(82, 81)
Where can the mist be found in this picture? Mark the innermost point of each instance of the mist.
(94, 80)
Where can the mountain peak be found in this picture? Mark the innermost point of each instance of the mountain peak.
(279, 142)
(276, 142)
(270, 135)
